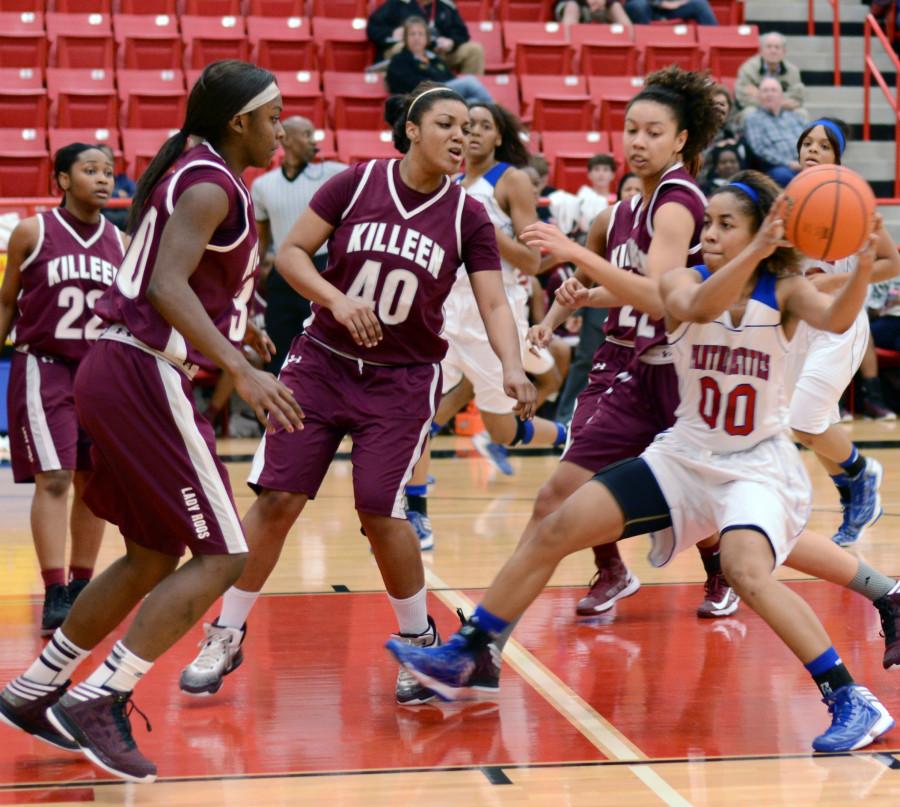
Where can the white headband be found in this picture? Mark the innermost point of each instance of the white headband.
(422, 95)
(270, 93)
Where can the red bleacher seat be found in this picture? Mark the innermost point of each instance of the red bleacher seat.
(343, 44)
(81, 6)
(475, 10)
(23, 42)
(140, 147)
(728, 12)
(887, 358)
(82, 98)
(152, 98)
(612, 95)
(604, 50)
(559, 103)
(326, 144)
(209, 39)
(355, 100)
(340, 9)
(148, 41)
(147, 6)
(108, 137)
(24, 163)
(211, 8)
(22, 5)
(727, 47)
(354, 145)
(538, 47)
(23, 99)
(281, 44)
(568, 154)
(301, 95)
(276, 8)
(504, 89)
(525, 10)
(489, 35)
(80, 40)
(668, 44)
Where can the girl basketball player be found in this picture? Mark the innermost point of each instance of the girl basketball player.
(823, 364)
(192, 260)
(59, 262)
(368, 365)
(726, 464)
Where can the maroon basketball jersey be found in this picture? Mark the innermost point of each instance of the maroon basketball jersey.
(399, 250)
(62, 279)
(628, 242)
(224, 277)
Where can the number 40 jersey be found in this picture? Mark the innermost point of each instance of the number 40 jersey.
(731, 375)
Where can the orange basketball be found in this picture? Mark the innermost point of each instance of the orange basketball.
(830, 212)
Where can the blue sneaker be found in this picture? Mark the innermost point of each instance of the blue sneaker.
(865, 500)
(431, 481)
(422, 525)
(857, 718)
(846, 533)
(494, 453)
(446, 670)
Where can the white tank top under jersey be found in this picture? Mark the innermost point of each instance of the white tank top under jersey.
(730, 375)
(840, 267)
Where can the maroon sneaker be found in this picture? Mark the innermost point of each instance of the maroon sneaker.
(889, 608)
(609, 585)
(720, 599)
(102, 728)
(23, 705)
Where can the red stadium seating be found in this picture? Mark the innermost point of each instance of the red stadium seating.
(728, 12)
(281, 44)
(108, 137)
(489, 36)
(538, 47)
(343, 44)
(24, 162)
(147, 7)
(525, 10)
(559, 103)
(340, 9)
(568, 154)
(81, 6)
(152, 98)
(212, 8)
(354, 145)
(23, 99)
(302, 95)
(473, 11)
(604, 50)
(23, 42)
(209, 39)
(82, 98)
(355, 100)
(668, 44)
(80, 40)
(728, 47)
(140, 147)
(504, 89)
(276, 8)
(31, 6)
(326, 144)
(148, 42)
(612, 95)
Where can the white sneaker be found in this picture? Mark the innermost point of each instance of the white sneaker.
(409, 691)
(220, 654)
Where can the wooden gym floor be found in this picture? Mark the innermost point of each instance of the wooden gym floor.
(651, 706)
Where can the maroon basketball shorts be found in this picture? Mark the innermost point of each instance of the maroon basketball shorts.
(623, 420)
(609, 360)
(44, 434)
(386, 410)
(156, 474)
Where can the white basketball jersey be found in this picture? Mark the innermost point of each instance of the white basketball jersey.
(482, 189)
(840, 267)
(731, 376)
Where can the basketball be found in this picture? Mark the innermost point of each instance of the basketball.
(830, 212)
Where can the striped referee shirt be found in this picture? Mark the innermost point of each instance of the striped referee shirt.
(280, 200)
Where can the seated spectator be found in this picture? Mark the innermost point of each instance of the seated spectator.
(123, 188)
(562, 209)
(772, 132)
(725, 163)
(769, 63)
(449, 34)
(629, 185)
(415, 64)
(643, 12)
(593, 199)
(608, 11)
(729, 133)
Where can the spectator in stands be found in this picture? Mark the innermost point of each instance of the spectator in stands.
(729, 133)
(769, 63)
(123, 188)
(643, 12)
(449, 34)
(608, 11)
(725, 163)
(594, 198)
(562, 207)
(415, 64)
(629, 185)
(279, 197)
(772, 131)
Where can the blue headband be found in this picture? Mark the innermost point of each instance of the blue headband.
(754, 196)
(834, 129)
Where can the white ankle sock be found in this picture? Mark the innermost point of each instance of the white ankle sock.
(411, 613)
(58, 661)
(121, 671)
(236, 607)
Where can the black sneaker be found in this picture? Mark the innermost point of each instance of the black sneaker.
(100, 725)
(75, 588)
(56, 608)
(889, 608)
(24, 704)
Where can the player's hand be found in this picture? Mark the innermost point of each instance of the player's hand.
(573, 294)
(443, 44)
(770, 235)
(550, 238)
(257, 339)
(869, 251)
(516, 385)
(359, 318)
(265, 393)
(538, 336)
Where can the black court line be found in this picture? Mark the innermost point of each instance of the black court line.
(340, 588)
(495, 775)
(881, 756)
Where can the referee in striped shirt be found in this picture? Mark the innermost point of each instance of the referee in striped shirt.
(279, 197)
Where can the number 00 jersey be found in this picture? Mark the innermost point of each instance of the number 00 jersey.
(72, 264)
(731, 376)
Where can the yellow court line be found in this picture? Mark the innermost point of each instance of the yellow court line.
(596, 728)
